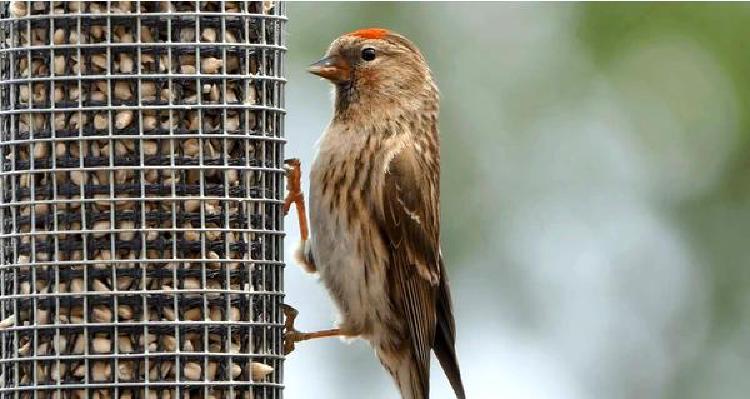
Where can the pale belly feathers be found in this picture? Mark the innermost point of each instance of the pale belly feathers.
(353, 273)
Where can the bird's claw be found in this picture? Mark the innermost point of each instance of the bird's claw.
(294, 195)
(293, 169)
(291, 335)
(293, 177)
(292, 162)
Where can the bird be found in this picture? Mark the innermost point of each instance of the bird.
(374, 202)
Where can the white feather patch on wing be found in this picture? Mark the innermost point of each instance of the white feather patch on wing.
(418, 147)
(398, 146)
(413, 215)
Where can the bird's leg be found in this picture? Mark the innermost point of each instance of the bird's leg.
(292, 336)
(295, 196)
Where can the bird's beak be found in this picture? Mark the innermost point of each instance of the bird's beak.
(333, 68)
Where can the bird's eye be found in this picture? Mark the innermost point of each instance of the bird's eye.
(368, 54)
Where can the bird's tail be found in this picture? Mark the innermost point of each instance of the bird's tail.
(446, 354)
(409, 382)
(445, 337)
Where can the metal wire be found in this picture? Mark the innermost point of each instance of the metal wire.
(141, 251)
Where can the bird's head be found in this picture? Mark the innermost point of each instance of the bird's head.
(376, 68)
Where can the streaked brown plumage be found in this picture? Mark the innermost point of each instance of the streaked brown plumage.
(375, 209)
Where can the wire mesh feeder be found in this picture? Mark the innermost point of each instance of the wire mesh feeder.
(141, 246)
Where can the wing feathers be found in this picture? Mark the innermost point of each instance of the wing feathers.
(410, 225)
(412, 234)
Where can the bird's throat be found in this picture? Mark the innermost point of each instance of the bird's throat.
(344, 97)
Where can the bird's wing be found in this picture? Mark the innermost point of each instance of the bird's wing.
(410, 226)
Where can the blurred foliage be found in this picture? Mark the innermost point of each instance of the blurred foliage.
(718, 221)
(721, 28)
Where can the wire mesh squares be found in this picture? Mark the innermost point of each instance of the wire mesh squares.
(141, 252)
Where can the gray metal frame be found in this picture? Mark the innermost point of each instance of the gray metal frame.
(141, 249)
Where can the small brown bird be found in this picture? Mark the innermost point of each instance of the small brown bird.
(375, 209)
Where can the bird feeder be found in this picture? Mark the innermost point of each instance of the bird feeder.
(142, 179)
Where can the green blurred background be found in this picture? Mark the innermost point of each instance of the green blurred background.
(595, 197)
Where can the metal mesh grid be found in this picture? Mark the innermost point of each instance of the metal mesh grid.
(142, 179)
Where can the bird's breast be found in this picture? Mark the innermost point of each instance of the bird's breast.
(349, 254)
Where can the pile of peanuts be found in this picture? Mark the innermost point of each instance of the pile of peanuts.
(128, 159)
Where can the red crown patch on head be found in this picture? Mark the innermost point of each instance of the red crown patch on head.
(371, 33)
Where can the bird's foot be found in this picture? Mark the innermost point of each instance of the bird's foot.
(292, 335)
(295, 195)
